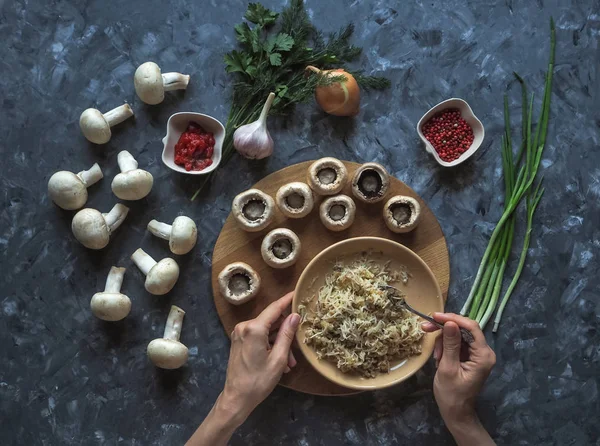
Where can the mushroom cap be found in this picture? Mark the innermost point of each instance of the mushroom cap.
(303, 194)
(232, 295)
(270, 247)
(251, 197)
(184, 234)
(392, 213)
(167, 353)
(110, 306)
(338, 176)
(345, 221)
(132, 185)
(377, 189)
(94, 126)
(90, 229)
(162, 277)
(148, 83)
(67, 190)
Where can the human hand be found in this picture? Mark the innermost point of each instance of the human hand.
(462, 368)
(255, 367)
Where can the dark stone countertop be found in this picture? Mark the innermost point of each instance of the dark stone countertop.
(68, 378)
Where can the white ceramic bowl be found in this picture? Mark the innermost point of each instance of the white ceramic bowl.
(468, 115)
(177, 124)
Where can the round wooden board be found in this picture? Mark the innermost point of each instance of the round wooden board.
(234, 245)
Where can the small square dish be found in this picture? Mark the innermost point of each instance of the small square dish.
(468, 115)
(178, 124)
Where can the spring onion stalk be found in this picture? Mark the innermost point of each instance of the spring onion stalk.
(532, 203)
(484, 294)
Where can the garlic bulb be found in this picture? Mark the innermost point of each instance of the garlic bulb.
(253, 140)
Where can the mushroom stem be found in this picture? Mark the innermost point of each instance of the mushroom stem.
(175, 81)
(91, 176)
(159, 229)
(266, 108)
(126, 161)
(143, 261)
(174, 322)
(118, 115)
(114, 280)
(116, 216)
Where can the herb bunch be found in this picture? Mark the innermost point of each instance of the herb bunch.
(274, 52)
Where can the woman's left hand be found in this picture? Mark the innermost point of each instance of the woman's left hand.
(255, 366)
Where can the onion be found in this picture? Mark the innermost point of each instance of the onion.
(339, 98)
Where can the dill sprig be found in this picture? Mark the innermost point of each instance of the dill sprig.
(274, 50)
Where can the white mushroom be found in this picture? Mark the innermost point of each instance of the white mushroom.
(327, 176)
(167, 352)
(253, 210)
(111, 304)
(69, 191)
(238, 283)
(337, 213)
(132, 183)
(95, 126)
(370, 183)
(182, 234)
(401, 213)
(160, 277)
(295, 200)
(92, 229)
(150, 84)
(280, 248)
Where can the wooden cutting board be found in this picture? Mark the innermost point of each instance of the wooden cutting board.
(234, 245)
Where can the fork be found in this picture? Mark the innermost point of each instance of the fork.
(395, 296)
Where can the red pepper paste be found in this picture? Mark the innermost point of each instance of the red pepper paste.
(449, 134)
(195, 148)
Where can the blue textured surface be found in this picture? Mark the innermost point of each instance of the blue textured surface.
(67, 378)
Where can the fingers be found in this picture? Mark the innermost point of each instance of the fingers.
(270, 314)
(429, 327)
(451, 339)
(291, 360)
(438, 350)
(285, 336)
(464, 322)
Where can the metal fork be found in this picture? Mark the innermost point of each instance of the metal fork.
(395, 296)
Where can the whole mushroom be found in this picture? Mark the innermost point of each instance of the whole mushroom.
(238, 283)
(327, 176)
(160, 276)
(95, 126)
(92, 229)
(295, 200)
(253, 210)
(150, 84)
(168, 352)
(111, 304)
(337, 213)
(132, 183)
(401, 214)
(69, 190)
(280, 248)
(182, 234)
(370, 183)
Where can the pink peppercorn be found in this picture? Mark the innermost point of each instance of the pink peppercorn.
(449, 134)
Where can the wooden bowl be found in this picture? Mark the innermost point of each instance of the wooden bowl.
(422, 292)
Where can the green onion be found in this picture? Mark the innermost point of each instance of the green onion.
(532, 203)
(483, 298)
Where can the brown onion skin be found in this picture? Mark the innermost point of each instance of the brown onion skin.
(338, 99)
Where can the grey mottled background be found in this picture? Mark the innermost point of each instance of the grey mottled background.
(67, 378)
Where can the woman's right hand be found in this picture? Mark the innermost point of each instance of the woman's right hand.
(462, 369)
